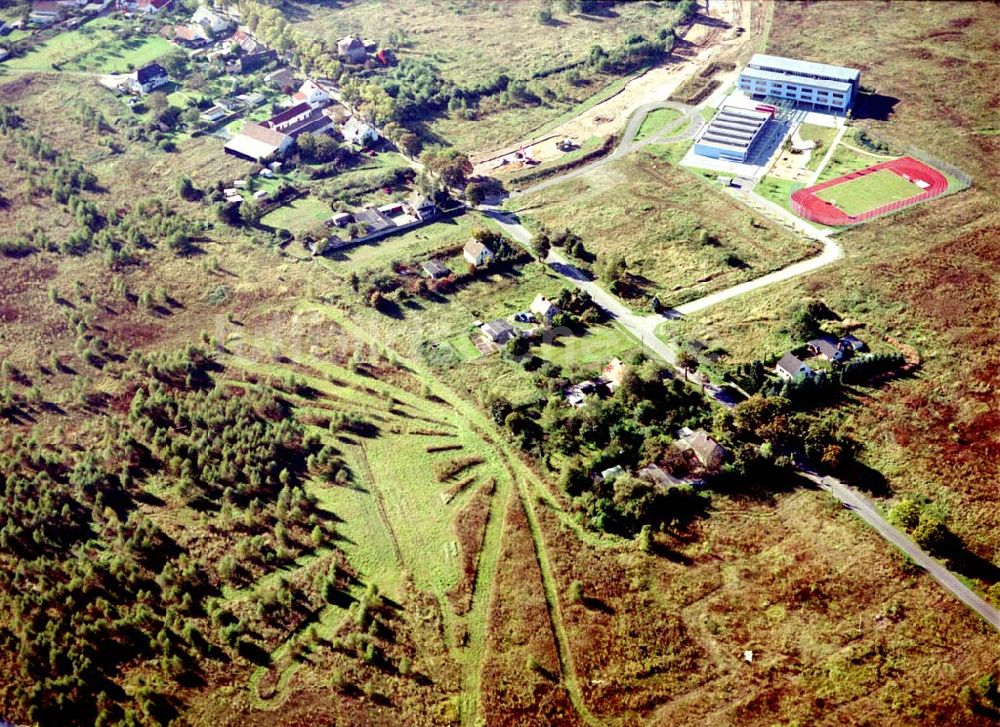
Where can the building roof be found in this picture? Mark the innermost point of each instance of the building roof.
(475, 248)
(498, 329)
(420, 202)
(791, 364)
(435, 269)
(612, 472)
(375, 220)
(150, 72)
(356, 128)
(853, 341)
(823, 83)
(245, 41)
(804, 68)
(259, 132)
(734, 127)
(543, 306)
(307, 89)
(288, 114)
(656, 474)
(349, 43)
(825, 346)
(706, 449)
(190, 32)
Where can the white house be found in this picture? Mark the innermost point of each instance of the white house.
(789, 366)
(311, 93)
(351, 48)
(544, 308)
(148, 78)
(358, 132)
(210, 21)
(476, 253)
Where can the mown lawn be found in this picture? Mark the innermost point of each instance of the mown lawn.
(846, 160)
(778, 190)
(868, 192)
(656, 121)
(96, 47)
(299, 215)
(447, 232)
(823, 136)
(597, 345)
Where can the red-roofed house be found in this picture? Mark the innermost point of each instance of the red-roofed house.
(311, 93)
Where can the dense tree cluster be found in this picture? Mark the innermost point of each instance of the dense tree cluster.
(92, 587)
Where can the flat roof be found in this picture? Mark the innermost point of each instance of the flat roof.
(253, 148)
(734, 128)
(791, 65)
(823, 83)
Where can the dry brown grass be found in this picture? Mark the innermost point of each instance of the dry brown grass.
(938, 60)
(519, 629)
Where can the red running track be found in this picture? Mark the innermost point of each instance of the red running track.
(806, 204)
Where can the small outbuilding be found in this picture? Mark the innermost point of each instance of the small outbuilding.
(435, 269)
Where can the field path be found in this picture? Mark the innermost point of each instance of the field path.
(480, 423)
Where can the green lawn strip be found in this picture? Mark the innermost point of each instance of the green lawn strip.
(598, 345)
(299, 215)
(844, 161)
(95, 46)
(860, 195)
(464, 348)
(823, 135)
(778, 190)
(708, 113)
(656, 121)
(478, 615)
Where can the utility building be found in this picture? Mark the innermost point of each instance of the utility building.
(804, 83)
(732, 133)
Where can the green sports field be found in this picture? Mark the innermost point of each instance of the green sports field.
(868, 192)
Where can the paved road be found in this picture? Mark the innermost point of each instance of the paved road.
(863, 508)
(642, 327)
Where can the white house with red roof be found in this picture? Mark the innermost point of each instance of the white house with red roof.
(311, 93)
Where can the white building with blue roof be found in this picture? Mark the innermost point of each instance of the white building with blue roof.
(804, 83)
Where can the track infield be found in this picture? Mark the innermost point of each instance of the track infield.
(870, 192)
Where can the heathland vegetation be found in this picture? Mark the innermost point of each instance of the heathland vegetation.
(241, 482)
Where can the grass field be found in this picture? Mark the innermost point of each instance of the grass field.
(598, 345)
(823, 136)
(656, 121)
(778, 190)
(298, 215)
(447, 232)
(860, 195)
(680, 236)
(95, 47)
(471, 41)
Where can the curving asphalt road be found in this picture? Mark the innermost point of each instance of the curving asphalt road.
(643, 328)
(863, 508)
(628, 144)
